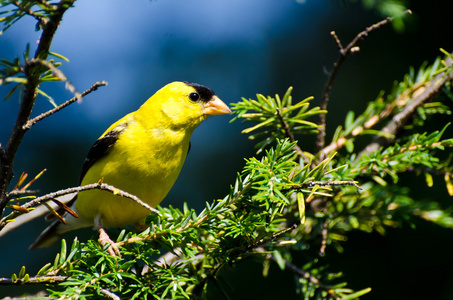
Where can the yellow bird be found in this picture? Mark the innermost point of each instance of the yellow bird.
(142, 154)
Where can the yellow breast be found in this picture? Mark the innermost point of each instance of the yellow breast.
(143, 162)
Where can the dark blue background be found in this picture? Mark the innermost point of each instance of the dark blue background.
(237, 48)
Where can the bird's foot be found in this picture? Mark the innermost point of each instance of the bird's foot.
(104, 239)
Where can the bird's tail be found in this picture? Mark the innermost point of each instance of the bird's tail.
(57, 229)
(49, 236)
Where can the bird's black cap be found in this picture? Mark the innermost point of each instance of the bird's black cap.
(205, 93)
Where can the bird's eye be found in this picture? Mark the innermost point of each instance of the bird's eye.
(194, 96)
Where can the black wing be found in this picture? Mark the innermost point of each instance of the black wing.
(100, 148)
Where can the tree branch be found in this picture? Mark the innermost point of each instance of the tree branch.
(109, 294)
(6, 168)
(400, 119)
(50, 27)
(2, 153)
(100, 186)
(343, 53)
(33, 121)
(28, 101)
(34, 280)
(21, 193)
(329, 182)
(324, 236)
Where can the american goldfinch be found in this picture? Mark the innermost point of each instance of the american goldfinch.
(142, 154)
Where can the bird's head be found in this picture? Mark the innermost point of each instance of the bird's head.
(184, 104)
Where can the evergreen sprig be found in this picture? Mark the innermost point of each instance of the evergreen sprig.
(277, 117)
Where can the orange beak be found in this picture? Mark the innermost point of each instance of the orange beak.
(215, 106)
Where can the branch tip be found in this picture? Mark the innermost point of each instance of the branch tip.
(343, 52)
(78, 97)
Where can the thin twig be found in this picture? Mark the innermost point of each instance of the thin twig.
(135, 239)
(21, 193)
(29, 12)
(100, 186)
(343, 53)
(33, 121)
(301, 273)
(329, 182)
(271, 238)
(34, 280)
(109, 294)
(333, 183)
(337, 42)
(324, 236)
(289, 134)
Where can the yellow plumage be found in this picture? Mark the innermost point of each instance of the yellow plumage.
(142, 154)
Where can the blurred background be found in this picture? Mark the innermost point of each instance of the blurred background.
(237, 48)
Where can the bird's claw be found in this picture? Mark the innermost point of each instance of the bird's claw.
(104, 239)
